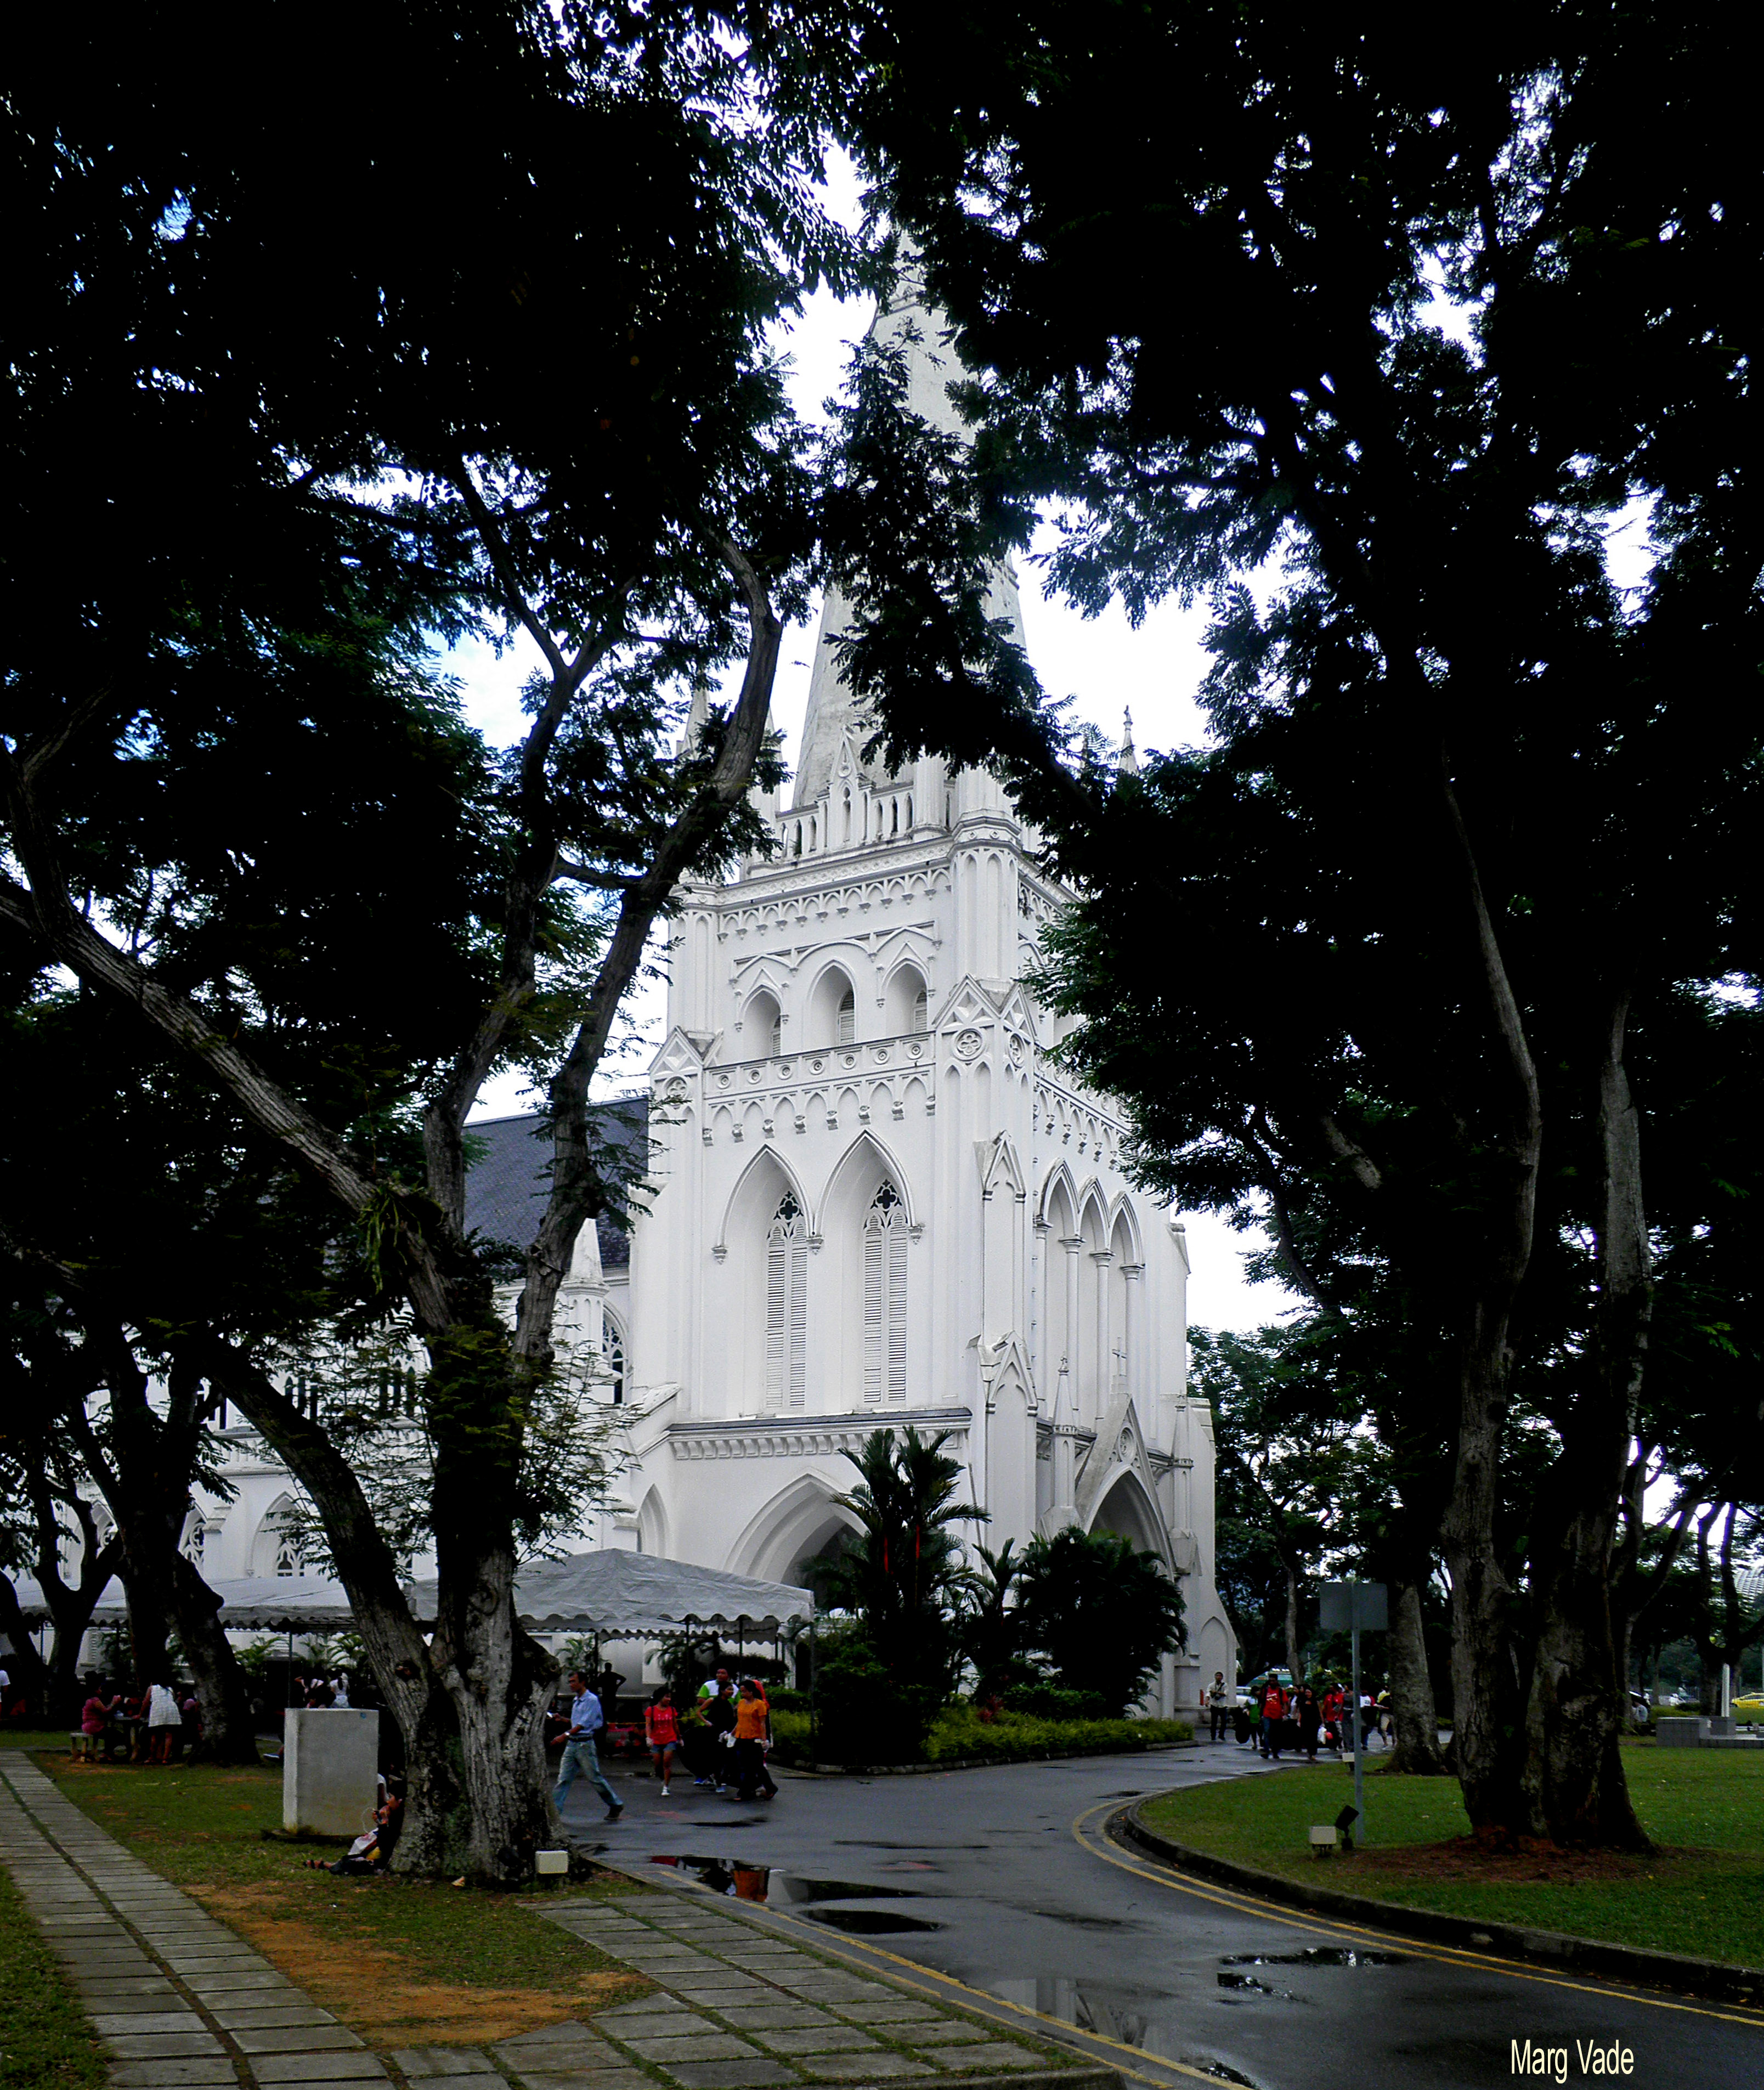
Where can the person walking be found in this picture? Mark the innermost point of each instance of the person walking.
(752, 1727)
(586, 1722)
(720, 1718)
(661, 1731)
(1216, 1703)
(1308, 1715)
(1273, 1712)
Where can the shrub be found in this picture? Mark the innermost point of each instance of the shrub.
(1048, 1701)
(1101, 1612)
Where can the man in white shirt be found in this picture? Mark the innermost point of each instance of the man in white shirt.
(586, 1721)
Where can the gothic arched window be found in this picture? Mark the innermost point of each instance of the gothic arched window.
(884, 1297)
(848, 1016)
(786, 1306)
(613, 1357)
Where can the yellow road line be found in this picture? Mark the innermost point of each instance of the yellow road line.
(1249, 1904)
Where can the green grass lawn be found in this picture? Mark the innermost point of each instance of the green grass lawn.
(1702, 1892)
(45, 2043)
(406, 1963)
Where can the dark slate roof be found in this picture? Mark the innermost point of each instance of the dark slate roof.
(509, 1174)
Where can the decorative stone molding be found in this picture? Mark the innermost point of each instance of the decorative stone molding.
(805, 1436)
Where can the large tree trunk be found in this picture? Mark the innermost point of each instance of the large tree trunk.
(70, 1606)
(439, 1806)
(223, 1691)
(146, 1481)
(1574, 1718)
(1484, 1715)
(1413, 1711)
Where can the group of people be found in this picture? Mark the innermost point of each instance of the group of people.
(151, 1724)
(1313, 1715)
(722, 1737)
(316, 1695)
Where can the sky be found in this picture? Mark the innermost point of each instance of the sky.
(1106, 666)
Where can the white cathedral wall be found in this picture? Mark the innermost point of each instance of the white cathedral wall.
(716, 1477)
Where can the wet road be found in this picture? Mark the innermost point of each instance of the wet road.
(1004, 1881)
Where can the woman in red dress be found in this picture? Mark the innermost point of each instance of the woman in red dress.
(661, 1731)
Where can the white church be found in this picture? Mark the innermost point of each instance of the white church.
(875, 1203)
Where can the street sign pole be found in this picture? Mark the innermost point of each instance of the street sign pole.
(1353, 1608)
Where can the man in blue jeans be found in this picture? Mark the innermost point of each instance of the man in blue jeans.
(586, 1721)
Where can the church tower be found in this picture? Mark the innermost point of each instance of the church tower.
(877, 1203)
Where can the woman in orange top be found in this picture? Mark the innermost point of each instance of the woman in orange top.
(661, 1730)
(753, 1730)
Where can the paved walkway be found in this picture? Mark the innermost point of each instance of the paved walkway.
(177, 1997)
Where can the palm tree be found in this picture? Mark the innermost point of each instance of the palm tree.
(904, 1575)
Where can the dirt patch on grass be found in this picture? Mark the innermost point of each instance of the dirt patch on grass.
(1526, 1862)
(371, 1988)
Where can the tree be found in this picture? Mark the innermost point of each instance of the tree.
(1101, 1612)
(524, 385)
(903, 1576)
(991, 1627)
(1419, 334)
(42, 1508)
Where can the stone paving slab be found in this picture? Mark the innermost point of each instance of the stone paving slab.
(166, 2074)
(585, 2079)
(820, 2039)
(730, 2074)
(362, 2067)
(942, 2033)
(426, 2061)
(774, 2017)
(989, 2053)
(692, 2046)
(898, 2009)
(135, 2022)
(871, 2067)
(659, 2024)
(256, 2008)
(163, 2045)
(294, 2039)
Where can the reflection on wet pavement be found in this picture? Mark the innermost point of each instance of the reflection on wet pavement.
(1318, 1956)
(747, 1881)
(1123, 2015)
(867, 1922)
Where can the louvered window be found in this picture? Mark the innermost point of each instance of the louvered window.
(884, 1298)
(922, 1011)
(848, 1016)
(786, 1306)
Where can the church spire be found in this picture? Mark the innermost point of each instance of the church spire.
(902, 320)
(1128, 761)
(697, 718)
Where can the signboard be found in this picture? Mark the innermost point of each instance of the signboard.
(1352, 1607)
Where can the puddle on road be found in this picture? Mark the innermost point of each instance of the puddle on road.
(765, 1883)
(1089, 1922)
(1318, 1956)
(868, 1922)
(1249, 1981)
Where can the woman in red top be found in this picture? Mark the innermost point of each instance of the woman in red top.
(661, 1730)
